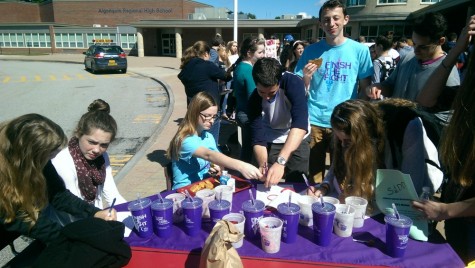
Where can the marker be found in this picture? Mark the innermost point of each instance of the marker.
(110, 209)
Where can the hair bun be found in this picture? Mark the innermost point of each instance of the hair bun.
(99, 105)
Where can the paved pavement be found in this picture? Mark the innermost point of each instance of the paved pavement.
(143, 174)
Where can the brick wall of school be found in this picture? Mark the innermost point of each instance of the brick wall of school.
(103, 12)
(11, 12)
(112, 13)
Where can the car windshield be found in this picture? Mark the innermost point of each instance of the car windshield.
(112, 50)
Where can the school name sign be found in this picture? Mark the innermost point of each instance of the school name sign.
(145, 10)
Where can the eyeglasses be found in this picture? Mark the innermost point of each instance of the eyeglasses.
(209, 117)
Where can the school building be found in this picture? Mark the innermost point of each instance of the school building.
(167, 27)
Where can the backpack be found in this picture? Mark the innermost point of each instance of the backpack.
(387, 69)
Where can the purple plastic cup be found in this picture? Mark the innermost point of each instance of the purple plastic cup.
(323, 217)
(290, 215)
(397, 234)
(162, 214)
(253, 214)
(193, 213)
(217, 209)
(142, 216)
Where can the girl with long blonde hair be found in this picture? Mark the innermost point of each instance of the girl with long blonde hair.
(193, 149)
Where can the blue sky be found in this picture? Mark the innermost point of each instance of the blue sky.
(269, 9)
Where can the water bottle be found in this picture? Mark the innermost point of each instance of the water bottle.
(224, 178)
(425, 195)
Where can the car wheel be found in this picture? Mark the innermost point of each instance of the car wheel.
(93, 67)
(124, 70)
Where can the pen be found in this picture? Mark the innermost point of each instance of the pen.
(110, 209)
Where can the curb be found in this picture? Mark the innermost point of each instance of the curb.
(147, 144)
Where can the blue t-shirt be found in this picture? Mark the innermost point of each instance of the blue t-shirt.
(189, 169)
(337, 79)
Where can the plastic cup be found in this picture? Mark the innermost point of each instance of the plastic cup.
(177, 198)
(217, 209)
(305, 203)
(142, 216)
(329, 199)
(162, 214)
(397, 234)
(323, 217)
(290, 215)
(271, 231)
(193, 211)
(227, 193)
(238, 220)
(207, 195)
(359, 204)
(344, 217)
(253, 214)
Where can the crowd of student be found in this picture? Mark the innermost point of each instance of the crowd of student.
(291, 112)
(367, 111)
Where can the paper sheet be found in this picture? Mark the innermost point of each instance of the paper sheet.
(126, 218)
(393, 186)
(276, 194)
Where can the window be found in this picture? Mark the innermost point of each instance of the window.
(128, 40)
(96, 36)
(64, 40)
(350, 3)
(382, 2)
(430, 1)
(309, 34)
(372, 31)
(25, 40)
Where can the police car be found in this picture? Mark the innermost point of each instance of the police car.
(105, 55)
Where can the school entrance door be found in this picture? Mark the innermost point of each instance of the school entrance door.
(168, 45)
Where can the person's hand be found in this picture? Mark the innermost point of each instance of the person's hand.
(309, 69)
(104, 214)
(249, 171)
(465, 36)
(274, 174)
(373, 91)
(432, 210)
(214, 169)
(314, 191)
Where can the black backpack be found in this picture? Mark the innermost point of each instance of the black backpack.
(387, 68)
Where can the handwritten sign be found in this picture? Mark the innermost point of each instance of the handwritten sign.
(393, 186)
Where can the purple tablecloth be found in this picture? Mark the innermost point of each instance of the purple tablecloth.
(435, 253)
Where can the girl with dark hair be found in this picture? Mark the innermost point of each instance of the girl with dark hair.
(84, 165)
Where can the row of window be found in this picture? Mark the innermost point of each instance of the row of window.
(350, 3)
(64, 40)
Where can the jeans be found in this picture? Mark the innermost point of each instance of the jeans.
(246, 132)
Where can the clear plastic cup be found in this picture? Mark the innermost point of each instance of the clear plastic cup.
(238, 220)
(359, 204)
(271, 231)
(207, 195)
(177, 198)
(343, 224)
(305, 203)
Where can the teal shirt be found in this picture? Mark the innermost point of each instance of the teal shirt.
(337, 79)
(243, 85)
(189, 169)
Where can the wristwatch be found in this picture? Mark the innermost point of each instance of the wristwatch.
(281, 160)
